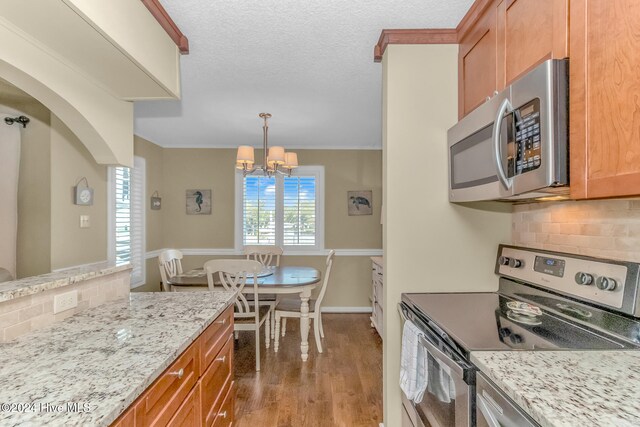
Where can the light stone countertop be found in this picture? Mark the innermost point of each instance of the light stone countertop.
(104, 357)
(569, 388)
(57, 279)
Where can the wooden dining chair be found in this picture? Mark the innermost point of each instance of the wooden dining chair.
(268, 256)
(291, 308)
(248, 315)
(265, 254)
(170, 264)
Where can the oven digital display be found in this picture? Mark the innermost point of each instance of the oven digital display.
(551, 266)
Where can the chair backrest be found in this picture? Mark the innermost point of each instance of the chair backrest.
(5, 276)
(327, 273)
(265, 254)
(232, 274)
(170, 263)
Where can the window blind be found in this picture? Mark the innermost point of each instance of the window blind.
(299, 225)
(259, 210)
(128, 234)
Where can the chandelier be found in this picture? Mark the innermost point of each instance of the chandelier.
(275, 159)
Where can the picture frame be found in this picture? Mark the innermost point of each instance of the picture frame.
(198, 202)
(360, 203)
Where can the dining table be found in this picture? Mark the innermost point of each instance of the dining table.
(271, 280)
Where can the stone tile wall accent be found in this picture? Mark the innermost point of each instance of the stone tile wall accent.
(25, 314)
(600, 228)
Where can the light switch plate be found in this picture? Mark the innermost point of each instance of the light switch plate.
(85, 221)
(64, 302)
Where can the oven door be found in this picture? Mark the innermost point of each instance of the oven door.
(448, 398)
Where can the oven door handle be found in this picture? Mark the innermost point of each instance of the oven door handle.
(489, 417)
(497, 129)
(441, 356)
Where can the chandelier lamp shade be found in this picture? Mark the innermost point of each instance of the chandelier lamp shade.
(275, 160)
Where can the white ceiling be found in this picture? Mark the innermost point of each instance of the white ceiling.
(309, 63)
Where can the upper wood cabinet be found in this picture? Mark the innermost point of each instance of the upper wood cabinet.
(477, 78)
(503, 39)
(605, 98)
(529, 32)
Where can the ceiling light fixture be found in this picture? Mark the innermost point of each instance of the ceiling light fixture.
(276, 160)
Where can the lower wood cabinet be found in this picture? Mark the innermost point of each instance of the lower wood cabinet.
(196, 390)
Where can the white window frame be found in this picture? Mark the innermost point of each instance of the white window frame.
(139, 165)
(315, 171)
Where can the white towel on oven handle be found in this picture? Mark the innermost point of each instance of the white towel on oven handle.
(413, 363)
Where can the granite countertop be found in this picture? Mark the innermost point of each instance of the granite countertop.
(57, 279)
(102, 358)
(569, 388)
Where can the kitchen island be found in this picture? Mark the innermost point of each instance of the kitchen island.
(91, 367)
(569, 388)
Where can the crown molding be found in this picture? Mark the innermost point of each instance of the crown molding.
(416, 36)
(168, 25)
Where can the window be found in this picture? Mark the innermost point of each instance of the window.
(126, 218)
(281, 210)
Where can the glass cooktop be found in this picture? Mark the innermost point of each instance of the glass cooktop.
(484, 321)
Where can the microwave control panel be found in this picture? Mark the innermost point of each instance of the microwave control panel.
(527, 151)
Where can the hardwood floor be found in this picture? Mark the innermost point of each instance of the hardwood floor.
(340, 387)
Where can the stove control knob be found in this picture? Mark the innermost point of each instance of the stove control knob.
(515, 263)
(606, 283)
(504, 332)
(516, 339)
(503, 260)
(584, 278)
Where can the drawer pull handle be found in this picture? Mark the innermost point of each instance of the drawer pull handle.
(222, 414)
(221, 359)
(178, 374)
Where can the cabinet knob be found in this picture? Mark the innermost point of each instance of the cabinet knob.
(223, 321)
(222, 414)
(178, 374)
(221, 359)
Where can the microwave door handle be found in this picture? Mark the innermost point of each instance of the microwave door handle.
(489, 417)
(497, 127)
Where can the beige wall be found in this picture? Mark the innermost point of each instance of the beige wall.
(600, 228)
(213, 169)
(70, 161)
(430, 245)
(34, 202)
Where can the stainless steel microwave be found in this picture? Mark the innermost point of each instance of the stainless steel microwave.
(515, 145)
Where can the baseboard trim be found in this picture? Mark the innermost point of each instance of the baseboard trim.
(234, 252)
(346, 309)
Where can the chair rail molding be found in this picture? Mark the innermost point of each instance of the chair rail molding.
(234, 252)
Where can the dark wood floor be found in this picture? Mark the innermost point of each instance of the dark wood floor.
(340, 387)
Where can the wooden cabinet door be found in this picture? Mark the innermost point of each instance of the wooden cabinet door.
(605, 98)
(188, 415)
(477, 63)
(529, 32)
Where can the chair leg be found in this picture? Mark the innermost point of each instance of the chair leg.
(267, 330)
(276, 336)
(320, 324)
(316, 331)
(257, 331)
(284, 326)
(273, 323)
(236, 334)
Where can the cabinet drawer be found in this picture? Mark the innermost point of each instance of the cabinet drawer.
(188, 414)
(164, 397)
(224, 416)
(215, 381)
(128, 419)
(215, 336)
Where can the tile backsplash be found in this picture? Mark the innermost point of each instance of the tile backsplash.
(601, 228)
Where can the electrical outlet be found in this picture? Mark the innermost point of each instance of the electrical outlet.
(85, 221)
(65, 301)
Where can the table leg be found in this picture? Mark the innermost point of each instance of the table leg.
(304, 324)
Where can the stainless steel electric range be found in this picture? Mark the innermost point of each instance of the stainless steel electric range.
(546, 300)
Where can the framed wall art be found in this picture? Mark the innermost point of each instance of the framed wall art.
(198, 202)
(359, 202)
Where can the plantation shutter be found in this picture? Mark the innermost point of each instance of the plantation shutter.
(259, 210)
(137, 221)
(299, 224)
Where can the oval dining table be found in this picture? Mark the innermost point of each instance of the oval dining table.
(281, 280)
